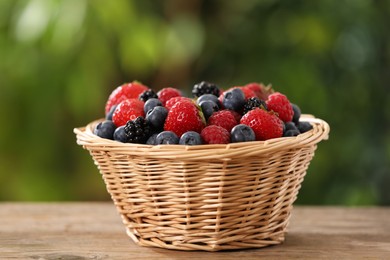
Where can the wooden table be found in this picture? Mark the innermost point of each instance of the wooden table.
(95, 231)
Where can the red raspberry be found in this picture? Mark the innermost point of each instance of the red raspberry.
(125, 91)
(128, 109)
(184, 116)
(280, 104)
(166, 94)
(266, 125)
(214, 134)
(224, 118)
(260, 90)
(248, 92)
(171, 102)
(236, 115)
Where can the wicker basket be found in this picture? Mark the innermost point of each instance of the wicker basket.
(206, 197)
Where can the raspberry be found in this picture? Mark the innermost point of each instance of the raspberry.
(184, 116)
(224, 118)
(205, 88)
(171, 102)
(166, 94)
(236, 115)
(125, 91)
(214, 134)
(266, 125)
(280, 104)
(249, 93)
(128, 109)
(137, 130)
(260, 90)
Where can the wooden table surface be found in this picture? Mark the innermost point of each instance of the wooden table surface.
(95, 231)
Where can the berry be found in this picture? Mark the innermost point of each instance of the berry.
(223, 118)
(208, 108)
(290, 126)
(304, 126)
(233, 99)
(151, 103)
(266, 125)
(214, 134)
(128, 109)
(137, 130)
(147, 94)
(105, 129)
(169, 104)
(120, 135)
(248, 93)
(280, 104)
(191, 138)
(183, 117)
(152, 139)
(206, 97)
(166, 94)
(290, 133)
(242, 133)
(167, 137)
(109, 115)
(156, 117)
(297, 113)
(205, 88)
(236, 115)
(252, 103)
(123, 92)
(260, 90)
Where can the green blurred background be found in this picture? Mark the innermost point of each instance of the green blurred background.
(60, 59)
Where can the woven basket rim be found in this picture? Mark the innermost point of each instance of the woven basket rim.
(320, 131)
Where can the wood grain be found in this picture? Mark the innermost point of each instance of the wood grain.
(95, 231)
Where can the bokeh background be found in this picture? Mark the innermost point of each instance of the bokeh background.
(60, 59)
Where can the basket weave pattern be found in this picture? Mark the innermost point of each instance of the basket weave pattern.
(207, 197)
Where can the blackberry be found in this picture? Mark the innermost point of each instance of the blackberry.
(252, 103)
(205, 88)
(137, 130)
(147, 94)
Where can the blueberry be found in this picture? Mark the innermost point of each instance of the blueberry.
(210, 97)
(208, 108)
(120, 135)
(152, 139)
(109, 114)
(190, 138)
(297, 113)
(304, 127)
(290, 126)
(167, 137)
(291, 132)
(156, 117)
(105, 129)
(233, 99)
(151, 103)
(242, 133)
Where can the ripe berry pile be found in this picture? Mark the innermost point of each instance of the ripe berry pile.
(254, 112)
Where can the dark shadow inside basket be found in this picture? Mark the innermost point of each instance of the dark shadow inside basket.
(229, 198)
